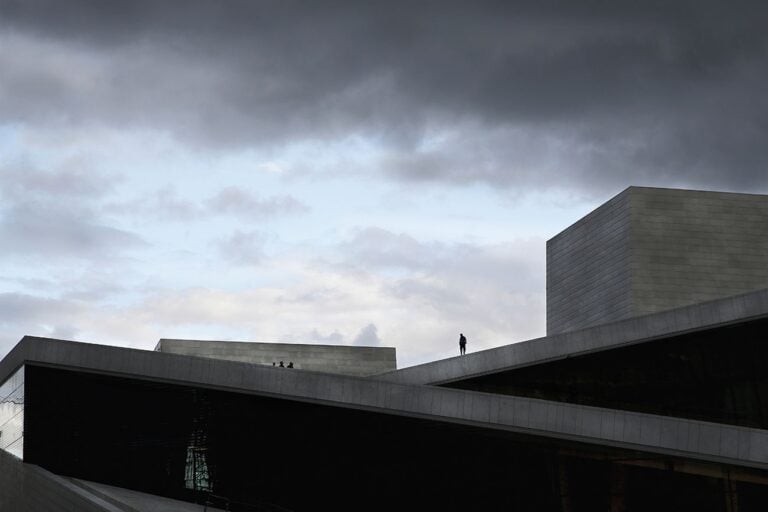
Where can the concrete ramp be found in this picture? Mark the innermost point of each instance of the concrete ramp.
(30, 488)
(134, 501)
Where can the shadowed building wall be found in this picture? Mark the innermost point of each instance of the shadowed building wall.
(649, 249)
(276, 455)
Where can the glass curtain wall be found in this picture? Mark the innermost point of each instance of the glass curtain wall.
(12, 414)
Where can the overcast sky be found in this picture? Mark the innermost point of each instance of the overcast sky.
(379, 173)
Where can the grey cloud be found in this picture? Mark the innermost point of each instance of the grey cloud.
(73, 180)
(497, 285)
(235, 201)
(334, 338)
(516, 265)
(29, 283)
(48, 229)
(314, 295)
(619, 92)
(89, 284)
(244, 248)
(166, 204)
(463, 284)
(92, 286)
(441, 292)
(377, 247)
(368, 337)
(30, 311)
(52, 213)
(22, 314)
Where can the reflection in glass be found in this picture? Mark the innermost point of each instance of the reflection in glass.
(12, 414)
(196, 474)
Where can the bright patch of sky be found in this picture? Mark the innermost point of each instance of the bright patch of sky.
(252, 223)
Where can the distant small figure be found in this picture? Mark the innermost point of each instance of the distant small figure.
(282, 365)
(273, 363)
(290, 364)
(462, 344)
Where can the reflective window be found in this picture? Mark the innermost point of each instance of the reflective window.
(12, 414)
(249, 453)
(713, 375)
(196, 476)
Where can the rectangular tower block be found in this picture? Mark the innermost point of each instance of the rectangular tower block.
(650, 249)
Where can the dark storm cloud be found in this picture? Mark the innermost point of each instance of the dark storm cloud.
(603, 92)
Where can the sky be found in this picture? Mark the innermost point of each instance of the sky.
(377, 173)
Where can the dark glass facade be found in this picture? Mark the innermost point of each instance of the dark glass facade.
(716, 375)
(12, 414)
(264, 453)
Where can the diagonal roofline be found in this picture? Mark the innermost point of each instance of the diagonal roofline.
(632, 331)
(676, 437)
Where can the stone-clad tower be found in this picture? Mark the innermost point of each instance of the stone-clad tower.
(650, 249)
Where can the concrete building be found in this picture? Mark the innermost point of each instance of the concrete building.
(666, 410)
(342, 359)
(653, 249)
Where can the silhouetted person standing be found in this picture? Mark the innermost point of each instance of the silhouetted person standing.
(462, 344)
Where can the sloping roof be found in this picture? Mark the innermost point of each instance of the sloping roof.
(697, 317)
(28, 487)
(603, 427)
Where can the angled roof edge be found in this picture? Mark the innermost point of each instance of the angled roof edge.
(711, 442)
(696, 317)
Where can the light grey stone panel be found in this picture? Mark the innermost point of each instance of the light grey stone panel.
(537, 415)
(507, 412)
(632, 431)
(481, 407)
(607, 424)
(650, 430)
(745, 443)
(729, 443)
(694, 429)
(758, 445)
